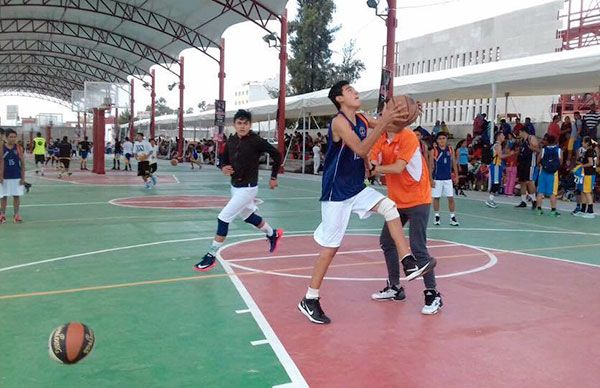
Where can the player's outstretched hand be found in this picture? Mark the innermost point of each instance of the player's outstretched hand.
(227, 170)
(273, 184)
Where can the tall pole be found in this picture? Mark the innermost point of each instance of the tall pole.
(494, 100)
(131, 110)
(282, 87)
(99, 129)
(116, 125)
(221, 76)
(84, 124)
(181, 88)
(390, 54)
(153, 97)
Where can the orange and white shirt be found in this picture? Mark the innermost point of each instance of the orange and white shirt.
(411, 187)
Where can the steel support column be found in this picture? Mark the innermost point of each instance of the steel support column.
(390, 54)
(153, 98)
(180, 113)
(131, 110)
(282, 88)
(99, 132)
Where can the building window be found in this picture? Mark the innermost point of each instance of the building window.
(497, 53)
(491, 52)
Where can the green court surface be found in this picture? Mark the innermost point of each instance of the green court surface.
(127, 273)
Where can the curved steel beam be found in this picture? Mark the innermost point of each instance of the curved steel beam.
(88, 33)
(130, 13)
(47, 71)
(42, 88)
(45, 45)
(35, 94)
(57, 81)
(59, 61)
(246, 8)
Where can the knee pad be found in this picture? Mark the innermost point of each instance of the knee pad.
(254, 219)
(387, 208)
(222, 228)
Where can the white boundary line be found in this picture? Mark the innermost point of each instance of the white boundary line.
(284, 358)
(109, 184)
(493, 260)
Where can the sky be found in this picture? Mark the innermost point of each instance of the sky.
(248, 58)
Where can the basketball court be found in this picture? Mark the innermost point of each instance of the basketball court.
(516, 286)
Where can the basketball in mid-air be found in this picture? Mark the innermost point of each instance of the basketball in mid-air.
(407, 107)
(71, 342)
(174, 162)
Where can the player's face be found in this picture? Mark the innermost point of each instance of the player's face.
(419, 135)
(12, 139)
(442, 141)
(350, 97)
(242, 127)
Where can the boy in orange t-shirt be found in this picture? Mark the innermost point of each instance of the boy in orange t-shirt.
(398, 155)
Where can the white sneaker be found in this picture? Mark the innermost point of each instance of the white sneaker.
(389, 293)
(453, 221)
(433, 302)
(437, 220)
(491, 204)
(587, 215)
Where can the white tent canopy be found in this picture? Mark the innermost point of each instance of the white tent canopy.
(573, 71)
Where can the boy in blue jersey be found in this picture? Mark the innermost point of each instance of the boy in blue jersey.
(344, 191)
(12, 175)
(550, 160)
(444, 164)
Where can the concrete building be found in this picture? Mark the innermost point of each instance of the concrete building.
(250, 92)
(516, 34)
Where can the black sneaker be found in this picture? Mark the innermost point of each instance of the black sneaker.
(522, 204)
(313, 311)
(533, 205)
(208, 261)
(412, 269)
(274, 239)
(389, 293)
(437, 220)
(433, 302)
(27, 187)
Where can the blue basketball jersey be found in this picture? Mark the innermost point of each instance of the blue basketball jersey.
(12, 163)
(443, 163)
(343, 170)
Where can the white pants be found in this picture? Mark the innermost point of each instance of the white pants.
(336, 215)
(443, 188)
(316, 165)
(241, 204)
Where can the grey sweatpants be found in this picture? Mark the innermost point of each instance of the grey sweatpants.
(417, 217)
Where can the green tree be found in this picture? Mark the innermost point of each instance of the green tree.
(310, 37)
(161, 107)
(124, 117)
(202, 106)
(189, 110)
(351, 67)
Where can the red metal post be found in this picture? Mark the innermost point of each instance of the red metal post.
(79, 120)
(153, 111)
(84, 124)
(282, 87)
(99, 132)
(181, 88)
(49, 134)
(390, 54)
(131, 110)
(222, 76)
(116, 125)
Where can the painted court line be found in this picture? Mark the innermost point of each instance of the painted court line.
(242, 311)
(284, 358)
(317, 254)
(259, 342)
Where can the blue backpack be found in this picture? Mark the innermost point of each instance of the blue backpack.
(551, 160)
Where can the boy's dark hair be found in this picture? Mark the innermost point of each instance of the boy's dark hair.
(9, 132)
(65, 138)
(243, 115)
(497, 134)
(140, 133)
(1, 131)
(335, 91)
(587, 140)
(440, 134)
(550, 139)
(39, 134)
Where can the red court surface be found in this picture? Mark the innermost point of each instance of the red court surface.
(523, 322)
(110, 179)
(173, 202)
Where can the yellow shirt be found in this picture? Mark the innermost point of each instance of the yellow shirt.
(39, 146)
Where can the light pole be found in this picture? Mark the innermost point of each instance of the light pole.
(390, 54)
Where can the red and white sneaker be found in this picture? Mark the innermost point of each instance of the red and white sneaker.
(274, 239)
(2, 219)
(17, 219)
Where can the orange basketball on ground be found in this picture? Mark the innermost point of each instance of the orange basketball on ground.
(71, 342)
(174, 162)
(407, 107)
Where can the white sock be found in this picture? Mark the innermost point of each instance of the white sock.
(312, 293)
(452, 215)
(524, 198)
(437, 214)
(267, 229)
(214, 246)
(492, 197)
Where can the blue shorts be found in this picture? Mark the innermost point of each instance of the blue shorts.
(127, 156)
(495, 174)
(578, 173)
(548, 183)
(83, 154)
